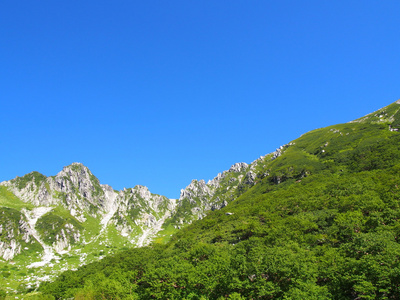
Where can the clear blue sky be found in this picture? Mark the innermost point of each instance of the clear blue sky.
(159, 93)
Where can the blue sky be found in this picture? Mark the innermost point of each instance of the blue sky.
(159, 93)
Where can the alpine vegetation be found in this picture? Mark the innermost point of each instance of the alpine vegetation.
(316, 219)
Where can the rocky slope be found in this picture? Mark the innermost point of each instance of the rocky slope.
(72, 209)
(14, 232)
(200, 197)
(43, 219)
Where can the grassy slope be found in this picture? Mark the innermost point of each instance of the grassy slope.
(8, 199)
(330, 229)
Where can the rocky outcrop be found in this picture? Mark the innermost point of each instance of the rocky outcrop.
(140, 209)
(200, 197)
(14, 233)
(135, 213)
(66, 236)
(196, 191)
(75, 187)
(250, 178)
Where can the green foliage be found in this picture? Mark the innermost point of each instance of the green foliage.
(183, 213)
(5, 274)
(34, 177)
(51, 224)
(134, 212)
(10, 219)
(307, 241)
(38, 296)
(98, 191)
(8, 199)
(322, 222)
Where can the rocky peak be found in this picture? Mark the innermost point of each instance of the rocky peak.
(238, 167)
(225, 187)
(75, 169)
(216, 180)
(197, 188)
(142, 191)
(80, 177)
(136, 213)
(30, 188)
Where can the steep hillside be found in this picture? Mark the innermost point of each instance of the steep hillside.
(320, 221)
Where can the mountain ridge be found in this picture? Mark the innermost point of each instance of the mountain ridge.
(88, 214)
(320, 221)
(55, 217)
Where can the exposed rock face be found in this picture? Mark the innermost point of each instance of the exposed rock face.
(14, 233)
(79, 188)
(75, 187)
(202, 197)
(64, 238)
(137, 207)
(195, 189)
(250, 178)
(9, 250)
(135, 213)
(238, 167)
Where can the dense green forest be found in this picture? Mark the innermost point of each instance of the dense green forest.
(322, 222)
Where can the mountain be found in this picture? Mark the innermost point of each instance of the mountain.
(318, 218)
(52, 224)
(49, 224)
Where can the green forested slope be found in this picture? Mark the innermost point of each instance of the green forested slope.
(322, 222)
